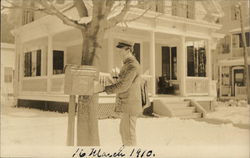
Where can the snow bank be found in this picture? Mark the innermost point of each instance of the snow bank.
(236, 112)
(33, 127)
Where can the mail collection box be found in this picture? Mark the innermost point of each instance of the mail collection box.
(79, 80)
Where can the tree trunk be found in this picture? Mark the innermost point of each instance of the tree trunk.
(87, 121)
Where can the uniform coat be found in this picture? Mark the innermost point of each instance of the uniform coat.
(128, 88)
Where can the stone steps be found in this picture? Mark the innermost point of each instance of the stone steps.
(180, 109)
(191, 116)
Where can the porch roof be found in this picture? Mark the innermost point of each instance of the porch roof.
(151, 21)
(233, 62)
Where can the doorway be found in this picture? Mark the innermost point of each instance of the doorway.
(237, 78)
(167, 82)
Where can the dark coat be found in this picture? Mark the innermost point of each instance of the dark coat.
(128, 88)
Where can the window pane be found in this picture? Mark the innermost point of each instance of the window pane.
(27, 64)
(240, 38)
(166, 62)
(226, 45)
(38, 62)
(136, 51)
(190, 9)
(202, 62)
(190, 61)
(248, 39)
(58, 61)
(236, 41)
(174, 63)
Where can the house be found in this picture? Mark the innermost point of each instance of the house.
(7, 73)
(229, 59)
(173, 43)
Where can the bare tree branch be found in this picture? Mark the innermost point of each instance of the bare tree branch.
(47, 8)
(109, 5)
(81, 8)
(51, 9)
(120, 17)
(138, 17)
(68, 8)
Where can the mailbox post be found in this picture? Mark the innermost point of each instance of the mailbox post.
(79, 80)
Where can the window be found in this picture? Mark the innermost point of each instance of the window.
(248, 39)
(225, 75)
(183, 8)
(38, 62)
(226, 45)
(27, 64)
(58, 61)
(196, 59)
(136, 51)
(32, 63)
(28, 15)
(159, 6)
(238, 42)
(8, 74)
(234, 13)
(169, 63)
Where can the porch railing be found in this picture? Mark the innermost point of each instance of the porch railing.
(56, 83)
(240, 91)
(197, 86)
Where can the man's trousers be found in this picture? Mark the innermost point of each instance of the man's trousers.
(128, 129)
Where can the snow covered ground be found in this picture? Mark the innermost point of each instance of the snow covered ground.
(233, 113)
(22, 127)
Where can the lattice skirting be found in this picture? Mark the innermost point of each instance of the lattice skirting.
(104, 110)
(107, 110)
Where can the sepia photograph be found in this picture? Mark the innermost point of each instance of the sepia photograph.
(125, 79)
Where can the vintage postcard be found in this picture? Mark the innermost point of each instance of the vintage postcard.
(125, 78)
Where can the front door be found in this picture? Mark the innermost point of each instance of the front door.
(168, 81)
(237, 78)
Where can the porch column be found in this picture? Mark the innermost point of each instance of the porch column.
(183, 66)
(152, 62)
(220, 79)
(50, 61)
(209, 67)
(17, 75)
(110, 51)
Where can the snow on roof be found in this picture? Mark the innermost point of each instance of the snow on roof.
(239, 29)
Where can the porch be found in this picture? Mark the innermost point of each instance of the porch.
(174, 59)
(231, 81)
(174, 49)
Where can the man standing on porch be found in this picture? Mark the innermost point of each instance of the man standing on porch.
(128, 93)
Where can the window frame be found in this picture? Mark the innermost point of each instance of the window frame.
(171, 63)
(197, 57)
(33, 63)
(239, 41)
(63, 60)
